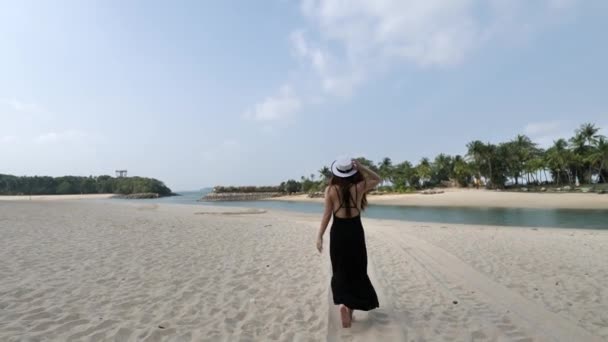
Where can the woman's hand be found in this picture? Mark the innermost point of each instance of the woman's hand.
(355, 164)
(320, 243)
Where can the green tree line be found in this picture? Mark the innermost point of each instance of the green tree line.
(581, 159)
(14, 185)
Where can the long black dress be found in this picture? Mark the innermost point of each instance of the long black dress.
(350, 283)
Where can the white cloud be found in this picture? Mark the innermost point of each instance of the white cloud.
(23, 107)
(335, 76)
(277, 107)
(356, 39)
(345, 43)
(7, 139)
(315, 56)
(55, 137)
(422, 31)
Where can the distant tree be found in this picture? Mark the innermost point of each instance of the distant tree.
(589, 134)
(307, 185)
(11, 185)
(104, 184)
(441, 169)
(403, 176)
(583, 158)
(325, 173)
(477, 155)
(368, 163)
(493, 156)
(88, 186)
(65, 187)
(521, 151)
(424, 171)
(462, 171)
(557, 159)
(385, 169)
(292, 186)
(599, 157)
(582, 144)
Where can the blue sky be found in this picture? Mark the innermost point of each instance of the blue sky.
(200, 93)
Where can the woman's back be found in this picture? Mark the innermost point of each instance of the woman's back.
(346, 200)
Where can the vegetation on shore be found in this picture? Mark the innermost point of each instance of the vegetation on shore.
(582, 159)
(13, 185)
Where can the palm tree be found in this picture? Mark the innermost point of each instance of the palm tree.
(490, 154)
(462, 171)
(385, 169)
(442, 168)
(558, 158)
(589, 133)
(599, 156)
(583, 142)
(424, 170)
(510, 161)
(325, 173)
(405, 175)
(535, 165)
(402, 175)
(579, 147)
(524, 150)
(366, 162)
(475, 153)
(582, 157)
(482, 155)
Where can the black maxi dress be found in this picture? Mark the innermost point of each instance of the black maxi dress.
(350, 283)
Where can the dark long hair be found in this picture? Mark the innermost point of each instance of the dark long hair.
(344, 184)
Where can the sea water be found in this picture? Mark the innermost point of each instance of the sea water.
(519, 217)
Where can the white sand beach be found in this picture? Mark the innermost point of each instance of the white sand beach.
(483, 198)
(55, 197)
(87, 270)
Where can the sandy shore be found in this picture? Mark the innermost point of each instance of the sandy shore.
(55, 197)
(483, 198)
(145, 272)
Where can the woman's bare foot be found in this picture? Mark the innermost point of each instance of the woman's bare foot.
(345, 314)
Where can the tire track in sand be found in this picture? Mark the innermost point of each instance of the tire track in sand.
(500, 313)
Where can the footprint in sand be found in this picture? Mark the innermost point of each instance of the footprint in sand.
(379, 317)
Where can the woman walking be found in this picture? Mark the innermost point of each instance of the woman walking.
(345, 198)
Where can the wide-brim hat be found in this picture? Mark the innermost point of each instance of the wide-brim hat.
(343, 168)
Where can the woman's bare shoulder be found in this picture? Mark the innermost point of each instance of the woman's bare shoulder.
(362, 186)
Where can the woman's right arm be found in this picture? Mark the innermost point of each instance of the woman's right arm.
(371, 178)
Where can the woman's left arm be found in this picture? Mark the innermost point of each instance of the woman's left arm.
(325, 220)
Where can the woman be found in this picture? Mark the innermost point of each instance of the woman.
(345, 198)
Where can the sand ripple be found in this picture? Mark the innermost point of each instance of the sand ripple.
(74, 272)
(93, 271)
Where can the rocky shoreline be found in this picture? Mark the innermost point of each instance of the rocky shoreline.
(239, 196)
(143, 195)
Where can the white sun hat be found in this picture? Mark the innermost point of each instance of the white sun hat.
(343, 168)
